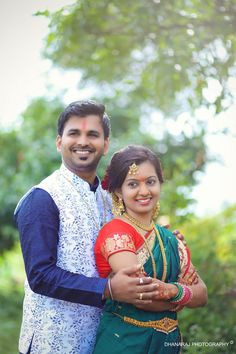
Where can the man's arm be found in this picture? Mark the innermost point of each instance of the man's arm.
(38, 224)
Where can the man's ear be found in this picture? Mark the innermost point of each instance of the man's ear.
(106, 146)
(58, 143)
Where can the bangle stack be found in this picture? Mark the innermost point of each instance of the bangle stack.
(109, 287)
(184, 295)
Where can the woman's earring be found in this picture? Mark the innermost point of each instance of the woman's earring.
(118, 207)
(155, 211)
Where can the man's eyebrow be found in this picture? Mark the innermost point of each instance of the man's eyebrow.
(93, 131)
(73, 130)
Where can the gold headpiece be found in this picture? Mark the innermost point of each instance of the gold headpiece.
(133, 169)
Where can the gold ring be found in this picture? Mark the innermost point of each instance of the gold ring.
(140, 296)
(140, 281)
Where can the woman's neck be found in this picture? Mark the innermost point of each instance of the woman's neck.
(144, 223)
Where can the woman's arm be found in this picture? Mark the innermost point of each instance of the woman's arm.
(122, 260)
(200, 296)
(164, 291)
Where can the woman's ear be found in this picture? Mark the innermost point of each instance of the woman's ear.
(118, 193)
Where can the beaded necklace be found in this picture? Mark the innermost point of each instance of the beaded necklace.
(151, 227)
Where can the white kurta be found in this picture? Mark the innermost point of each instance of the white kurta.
(57, 326)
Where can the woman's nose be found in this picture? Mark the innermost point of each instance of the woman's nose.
(143, 189)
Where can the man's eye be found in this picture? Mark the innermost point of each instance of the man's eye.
(93, 135)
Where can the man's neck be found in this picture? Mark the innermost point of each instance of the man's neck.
(86, 176)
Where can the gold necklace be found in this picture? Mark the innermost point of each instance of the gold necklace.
(162, 253)
(149, 228)
(88, 206)
(139, 223)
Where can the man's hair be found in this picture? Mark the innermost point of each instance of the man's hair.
(82, 109)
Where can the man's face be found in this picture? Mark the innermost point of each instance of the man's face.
(82, 145)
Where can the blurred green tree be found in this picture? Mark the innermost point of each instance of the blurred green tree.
(163, 53)
(212, 242)
(28, 154)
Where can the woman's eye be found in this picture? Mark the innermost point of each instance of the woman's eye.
(132, 184)
(151, 182)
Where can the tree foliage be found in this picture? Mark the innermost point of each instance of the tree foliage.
(28, 154)
(212, 241)
(159, 52)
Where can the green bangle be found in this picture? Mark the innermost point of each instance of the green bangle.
(179, 294)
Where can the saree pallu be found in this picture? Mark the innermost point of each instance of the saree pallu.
(128, 330)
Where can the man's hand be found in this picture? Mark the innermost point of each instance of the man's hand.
(134, 290)
(177, 233)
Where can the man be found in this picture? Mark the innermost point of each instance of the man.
(58, 222)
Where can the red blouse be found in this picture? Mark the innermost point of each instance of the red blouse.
(116, 236)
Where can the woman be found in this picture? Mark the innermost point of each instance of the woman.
(134, 178)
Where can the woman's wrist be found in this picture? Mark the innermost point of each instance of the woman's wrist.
(183, 296)
(173, 290)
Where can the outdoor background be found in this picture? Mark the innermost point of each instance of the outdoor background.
(166, 72)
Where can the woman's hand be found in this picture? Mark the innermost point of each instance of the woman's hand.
(165, 291)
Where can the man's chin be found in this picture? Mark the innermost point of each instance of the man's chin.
(86, 167)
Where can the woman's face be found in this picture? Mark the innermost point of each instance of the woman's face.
(141, 191)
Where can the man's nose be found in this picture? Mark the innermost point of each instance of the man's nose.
(83, 140)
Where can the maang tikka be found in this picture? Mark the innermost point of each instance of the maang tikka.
(133, 169)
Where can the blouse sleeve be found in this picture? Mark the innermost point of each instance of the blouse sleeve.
(116, 236)
(188, 274)
(117, 242)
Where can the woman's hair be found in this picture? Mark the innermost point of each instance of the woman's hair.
(123, 159)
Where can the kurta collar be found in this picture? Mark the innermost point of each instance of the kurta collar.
(77, 181)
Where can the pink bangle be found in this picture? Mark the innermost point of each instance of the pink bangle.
(185, 298)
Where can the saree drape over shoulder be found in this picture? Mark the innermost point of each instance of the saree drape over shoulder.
(124, 328)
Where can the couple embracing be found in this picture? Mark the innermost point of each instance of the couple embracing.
(102, 275)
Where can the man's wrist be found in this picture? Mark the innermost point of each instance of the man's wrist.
(106, 293)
